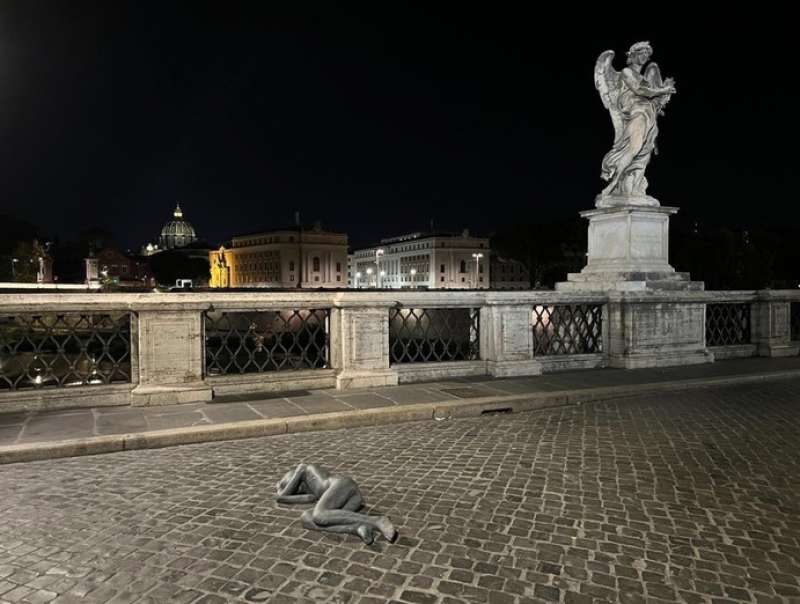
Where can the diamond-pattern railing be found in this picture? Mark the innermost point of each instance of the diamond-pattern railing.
(795, 321)
(52, 350)
(434, 335)
(274, 340)
(567, 329)
(728, 324)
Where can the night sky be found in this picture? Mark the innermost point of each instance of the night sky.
(375, 121)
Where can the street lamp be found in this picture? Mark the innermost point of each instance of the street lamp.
(14, 269)
(378, 253)
(382, 275)
(358, 276)
(477, 265)
(369, 272)
(414, 277)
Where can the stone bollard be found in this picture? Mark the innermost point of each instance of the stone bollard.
(170, 350)
(507, 340)
(360, 345)
(772, 326)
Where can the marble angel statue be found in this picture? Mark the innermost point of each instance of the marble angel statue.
(634, 99)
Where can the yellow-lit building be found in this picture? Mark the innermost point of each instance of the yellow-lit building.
(305, 257)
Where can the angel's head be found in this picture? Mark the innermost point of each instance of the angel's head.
(640, 53)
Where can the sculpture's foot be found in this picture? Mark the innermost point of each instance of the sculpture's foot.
(387, 529)
(366, 534)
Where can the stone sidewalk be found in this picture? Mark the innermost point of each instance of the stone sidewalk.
(26, 436)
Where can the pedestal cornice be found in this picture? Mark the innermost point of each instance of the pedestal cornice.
(629, 209)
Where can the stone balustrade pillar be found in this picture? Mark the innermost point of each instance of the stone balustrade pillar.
(170, 349)
(360, 346)
(772, 327)
(507, 340)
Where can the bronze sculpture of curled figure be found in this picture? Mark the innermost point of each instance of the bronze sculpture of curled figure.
(337, 501)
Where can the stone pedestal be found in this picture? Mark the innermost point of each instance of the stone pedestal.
(628, 251)
(170, 348)
(360, 347)
(628, 258)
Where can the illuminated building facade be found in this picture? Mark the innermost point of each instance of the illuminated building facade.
(508, 273)
(286, 258)
(435, 260)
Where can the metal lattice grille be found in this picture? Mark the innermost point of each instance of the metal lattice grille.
(434, 335)
(50, 350)
(567, 329)
(795, 321)
(255, 342)
(727, 324)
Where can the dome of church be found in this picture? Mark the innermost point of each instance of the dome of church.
(177, 232)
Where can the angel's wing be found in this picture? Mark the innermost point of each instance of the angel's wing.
(607, 82)
(652, 74)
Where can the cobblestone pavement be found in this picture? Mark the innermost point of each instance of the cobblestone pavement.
(690, 497)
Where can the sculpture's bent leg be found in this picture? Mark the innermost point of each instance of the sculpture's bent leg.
(335, 511)
(365, 532)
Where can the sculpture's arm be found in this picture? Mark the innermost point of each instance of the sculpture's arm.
(642, 89)
(305, 498)
(294, 481)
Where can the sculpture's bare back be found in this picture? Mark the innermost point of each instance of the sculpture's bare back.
(634, 99)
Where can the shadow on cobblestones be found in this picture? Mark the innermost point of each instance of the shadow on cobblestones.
(690, 497)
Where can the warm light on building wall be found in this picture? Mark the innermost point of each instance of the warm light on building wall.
(220, 263)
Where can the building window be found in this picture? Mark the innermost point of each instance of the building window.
(480, 268)
(291, 277)
(442, 279)
(339, 278)
(291, 238)
(316, 278)
(441, 268)
(462, 279)
(316, 265)
(463, 267)
(291, 265)
(338, 267)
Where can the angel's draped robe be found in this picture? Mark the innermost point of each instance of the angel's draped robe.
(631, 151)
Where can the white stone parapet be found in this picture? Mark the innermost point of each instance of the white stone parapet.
(639, 329)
